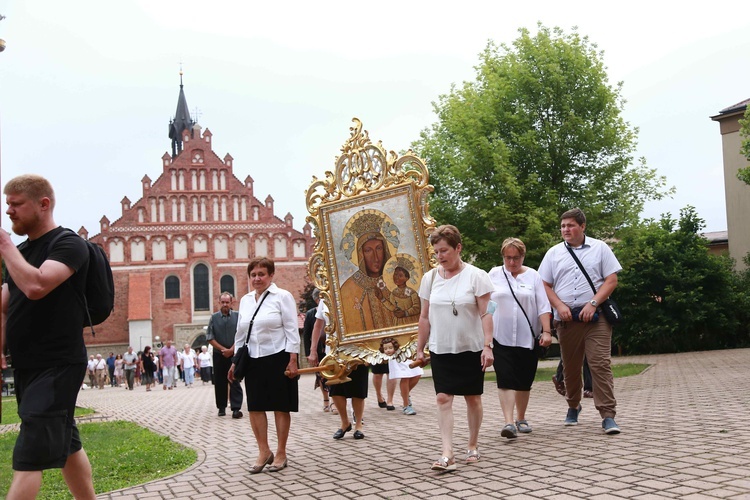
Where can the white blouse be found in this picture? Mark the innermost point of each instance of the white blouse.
(511, 327)
(449, 333)
(188, 359)
(205, 359)
(275, 325)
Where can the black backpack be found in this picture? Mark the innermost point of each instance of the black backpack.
(99, 297)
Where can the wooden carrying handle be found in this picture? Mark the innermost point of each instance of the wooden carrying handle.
(313, 369)
(421, 363)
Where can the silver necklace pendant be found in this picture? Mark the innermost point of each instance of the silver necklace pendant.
(455, 313)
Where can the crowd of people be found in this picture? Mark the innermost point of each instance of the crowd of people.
(148, 368)
(470, 320)
(467, 321)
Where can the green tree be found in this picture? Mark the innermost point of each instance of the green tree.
(539, 131)
(676, 296)
(744, 173)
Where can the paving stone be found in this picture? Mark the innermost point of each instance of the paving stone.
(664, 451)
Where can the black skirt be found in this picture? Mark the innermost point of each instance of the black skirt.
(267, 388)
(458, 374)
(357, 388)
(515, 367)
(379, 369)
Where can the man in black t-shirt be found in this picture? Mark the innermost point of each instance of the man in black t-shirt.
(42, 321)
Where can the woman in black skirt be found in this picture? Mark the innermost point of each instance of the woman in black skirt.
(270, 314)
(523, 310)
(356, 389)
(455, 319)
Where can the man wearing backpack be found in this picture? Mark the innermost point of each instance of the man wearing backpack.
(43, 324)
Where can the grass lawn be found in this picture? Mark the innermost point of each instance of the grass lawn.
(122, 454)
(545, 374)
(10, 411)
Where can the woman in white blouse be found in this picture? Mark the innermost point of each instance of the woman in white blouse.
(273, 346)
(515, 361)
(454, 320)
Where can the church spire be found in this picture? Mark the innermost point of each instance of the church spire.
(180, 122)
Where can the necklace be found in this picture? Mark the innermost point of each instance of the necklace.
(455, 286)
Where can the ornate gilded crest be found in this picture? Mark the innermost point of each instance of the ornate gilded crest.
(371, 221)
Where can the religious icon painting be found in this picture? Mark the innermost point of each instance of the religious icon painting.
(371, 221)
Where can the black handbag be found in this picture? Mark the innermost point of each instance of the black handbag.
(242, 360)
(539, 350)
(609, 307)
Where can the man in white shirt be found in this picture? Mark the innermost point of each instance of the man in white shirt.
(91, 371)
(101, 369)
(581, 329)
(129, 361)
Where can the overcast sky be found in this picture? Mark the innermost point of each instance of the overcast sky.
(87, 88)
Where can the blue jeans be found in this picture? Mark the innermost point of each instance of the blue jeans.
(189, 375)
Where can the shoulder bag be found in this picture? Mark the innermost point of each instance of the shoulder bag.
(242, 358)
(609, 307)
(539, 350)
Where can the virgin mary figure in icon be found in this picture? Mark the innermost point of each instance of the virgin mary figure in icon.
(370, 238)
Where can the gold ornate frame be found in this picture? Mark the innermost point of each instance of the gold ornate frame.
(373, 199)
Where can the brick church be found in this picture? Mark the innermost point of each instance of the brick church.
(188, 238)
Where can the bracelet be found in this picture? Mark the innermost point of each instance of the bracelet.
(550, 333)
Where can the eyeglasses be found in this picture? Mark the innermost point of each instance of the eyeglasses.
(513, 259)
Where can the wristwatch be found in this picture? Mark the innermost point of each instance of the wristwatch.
(491, 345)
(593, 302)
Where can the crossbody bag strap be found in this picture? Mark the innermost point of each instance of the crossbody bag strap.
(531, 329)
(252, 320)
(580, 266)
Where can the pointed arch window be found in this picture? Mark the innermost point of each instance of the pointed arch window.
(201, 299)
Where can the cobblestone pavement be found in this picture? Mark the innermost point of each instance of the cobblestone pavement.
(684, 423)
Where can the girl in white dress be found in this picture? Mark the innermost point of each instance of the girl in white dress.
(400, 370)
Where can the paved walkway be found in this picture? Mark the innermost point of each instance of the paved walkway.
(685, 423)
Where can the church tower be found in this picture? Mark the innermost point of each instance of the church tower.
(181, 121)
(188, 238)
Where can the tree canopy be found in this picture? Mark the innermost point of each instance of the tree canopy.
(539, 131)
